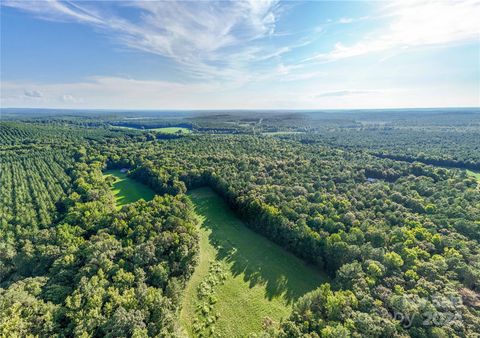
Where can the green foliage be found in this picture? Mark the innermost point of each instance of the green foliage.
(204, 323)
(23, 313)
(316, 202)
(327, 313)
(356, 199)
(393, 260)
(31, 184)
(100, 265)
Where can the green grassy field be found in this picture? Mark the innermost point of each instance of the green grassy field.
(246, 277)
(172, 130)
(165, 130)
(474, 174)
(280, 133)
(128, 190)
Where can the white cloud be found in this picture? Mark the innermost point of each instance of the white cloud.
(206, 39)
(236, 58)
(32, 93)
(415, 23)
(297, 73)
(105, 92)
(124, 93)
(55, 10)
(339, 93)
(345, 20)
(68, 98)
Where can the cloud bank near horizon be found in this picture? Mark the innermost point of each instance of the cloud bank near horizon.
(259, 54)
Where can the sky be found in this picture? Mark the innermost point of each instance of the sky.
(239, 54)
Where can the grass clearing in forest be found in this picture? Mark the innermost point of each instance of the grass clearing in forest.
(280, 133)
(127, 190)
(163, 130)
(172, 130)
(475, 174)
(241, 277)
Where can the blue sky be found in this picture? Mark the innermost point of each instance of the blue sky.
(240, 55)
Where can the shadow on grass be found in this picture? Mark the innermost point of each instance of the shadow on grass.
(258, 260)
(128, 190)
(124, 195)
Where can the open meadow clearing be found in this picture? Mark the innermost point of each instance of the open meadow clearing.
(163, 130)
(241, 278)
(128, 190)
(172, 130)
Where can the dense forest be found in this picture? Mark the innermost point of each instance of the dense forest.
(97, 271)
(381, 204)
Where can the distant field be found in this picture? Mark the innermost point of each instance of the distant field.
(165, 130)
(260, 278)
(273, 133)
(127, 190)
(172, 130)
(123, 127)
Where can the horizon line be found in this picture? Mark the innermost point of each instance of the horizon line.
(236, 109)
